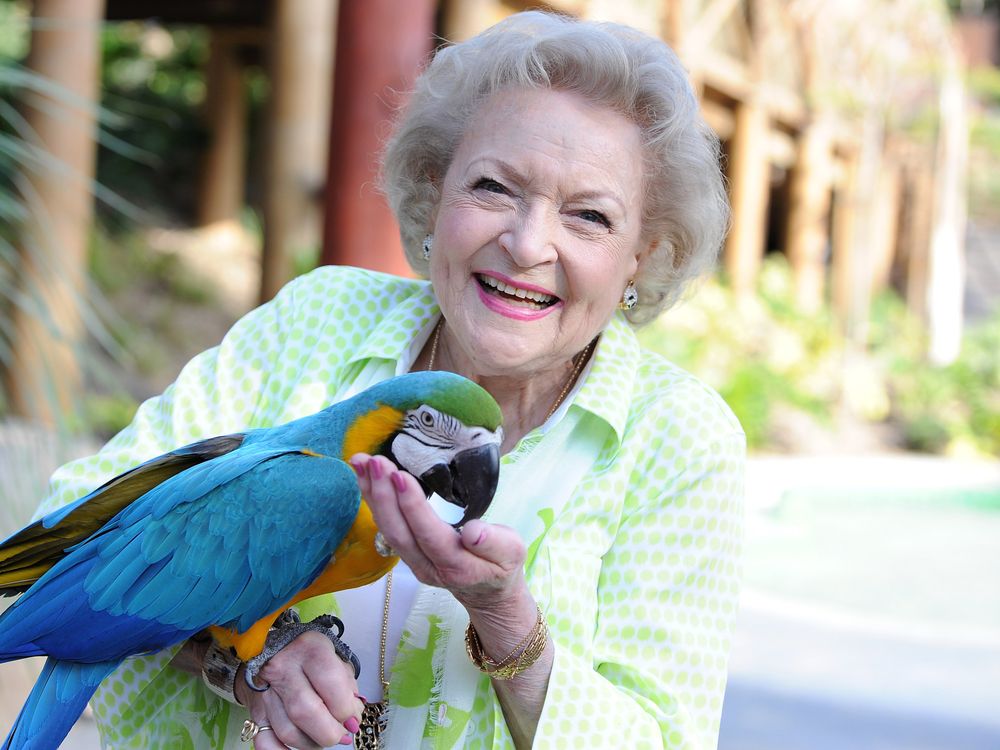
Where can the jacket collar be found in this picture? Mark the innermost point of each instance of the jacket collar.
(606, 392)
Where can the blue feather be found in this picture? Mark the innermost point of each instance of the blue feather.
(55, 703)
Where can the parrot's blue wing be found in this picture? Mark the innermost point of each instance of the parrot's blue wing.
(57, 699)
(225, 543)
(25, 556)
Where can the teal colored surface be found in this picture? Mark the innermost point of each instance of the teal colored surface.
(921, 556)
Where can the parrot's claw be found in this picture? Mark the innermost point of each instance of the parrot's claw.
(286, 629)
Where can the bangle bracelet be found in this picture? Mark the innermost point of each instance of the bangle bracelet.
(218, 670)
(524, 654)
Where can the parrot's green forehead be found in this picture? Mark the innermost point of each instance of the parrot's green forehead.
(448, 393)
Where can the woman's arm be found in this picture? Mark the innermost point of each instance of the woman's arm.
(483, 567)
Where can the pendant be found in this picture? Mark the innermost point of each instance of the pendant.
(372, 725)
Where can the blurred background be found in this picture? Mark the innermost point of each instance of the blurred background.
(165, 165)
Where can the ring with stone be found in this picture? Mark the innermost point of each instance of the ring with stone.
(251, 729)
(382, 546)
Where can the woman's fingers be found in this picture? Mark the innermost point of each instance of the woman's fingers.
(266, 740)
(500, 545)
(300, 715)
(484, 557)
(333, 681)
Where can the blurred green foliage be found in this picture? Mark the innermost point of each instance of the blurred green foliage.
(940, 409)
(765, 357)
(759, 355)
(152, 83)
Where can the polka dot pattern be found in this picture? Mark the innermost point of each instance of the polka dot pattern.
(639, 571)
(641, 576)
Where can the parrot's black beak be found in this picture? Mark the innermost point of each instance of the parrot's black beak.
(469, 481)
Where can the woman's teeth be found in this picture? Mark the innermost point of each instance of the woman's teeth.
(512, 291)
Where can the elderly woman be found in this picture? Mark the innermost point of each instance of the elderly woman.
(553, 181)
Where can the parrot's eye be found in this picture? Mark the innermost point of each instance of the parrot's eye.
(427, 419)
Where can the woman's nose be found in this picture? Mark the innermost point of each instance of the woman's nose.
(531, 239)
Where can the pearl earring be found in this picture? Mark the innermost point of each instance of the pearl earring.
(630, 297)
(428, 244)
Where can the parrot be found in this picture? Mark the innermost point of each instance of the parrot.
(225, 534)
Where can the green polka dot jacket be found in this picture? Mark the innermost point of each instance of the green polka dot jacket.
(631, 506)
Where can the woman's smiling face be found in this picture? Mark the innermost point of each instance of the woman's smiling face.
(538, 230)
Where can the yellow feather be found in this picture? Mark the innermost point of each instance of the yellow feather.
(370, 430)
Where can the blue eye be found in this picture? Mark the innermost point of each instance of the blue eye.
(490, 185)
(596, 217)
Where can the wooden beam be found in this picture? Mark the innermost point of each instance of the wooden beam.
(809, 215)
(885, 224)
(224, 170)
(381, 44)
(673, 26)
(218, 13)
(44, 379)
(842, 241)
(462, 19)
(750, 192)
(298, 116)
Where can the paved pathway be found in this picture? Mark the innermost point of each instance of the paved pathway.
(869, 620)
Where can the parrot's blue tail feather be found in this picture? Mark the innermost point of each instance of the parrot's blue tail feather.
(55, 703)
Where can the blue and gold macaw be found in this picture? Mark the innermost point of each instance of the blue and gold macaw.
(225, 534)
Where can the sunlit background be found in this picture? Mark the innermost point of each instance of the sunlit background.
(165, 165)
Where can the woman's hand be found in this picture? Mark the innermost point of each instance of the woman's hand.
(313, 700)
(482, 566)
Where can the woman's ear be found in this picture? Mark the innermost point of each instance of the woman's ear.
(645, 251)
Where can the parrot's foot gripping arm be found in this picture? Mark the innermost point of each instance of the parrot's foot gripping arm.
(286, 629)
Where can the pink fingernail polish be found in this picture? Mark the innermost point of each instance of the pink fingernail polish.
(482, 535)
(347, 739)
(352, 725)
(359, 467)
(375, 469)
(360, 697)
(398, 482)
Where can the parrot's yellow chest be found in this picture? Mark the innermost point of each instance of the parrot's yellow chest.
(355, 563)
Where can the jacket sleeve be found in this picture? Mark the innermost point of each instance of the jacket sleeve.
(643, 633)
(238, 384)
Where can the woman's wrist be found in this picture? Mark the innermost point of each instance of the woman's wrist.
(501, 624)
(191, 656)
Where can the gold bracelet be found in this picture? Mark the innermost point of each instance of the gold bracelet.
(517, 661)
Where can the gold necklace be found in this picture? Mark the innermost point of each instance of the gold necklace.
(581, 360)
(373, 717)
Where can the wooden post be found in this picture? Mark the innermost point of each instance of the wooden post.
(224, 171)
(844, 228)
(381, 45)
(749, 176)
(918, 236)
(463, 19)
(44, 379)
(809, 214)
(672, 28)
(300, 58)
(885, 224)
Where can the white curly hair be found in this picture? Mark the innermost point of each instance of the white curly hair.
(686, 213)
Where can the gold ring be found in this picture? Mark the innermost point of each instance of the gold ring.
(251, 729)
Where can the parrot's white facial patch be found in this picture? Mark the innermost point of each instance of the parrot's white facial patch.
(429, 438)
